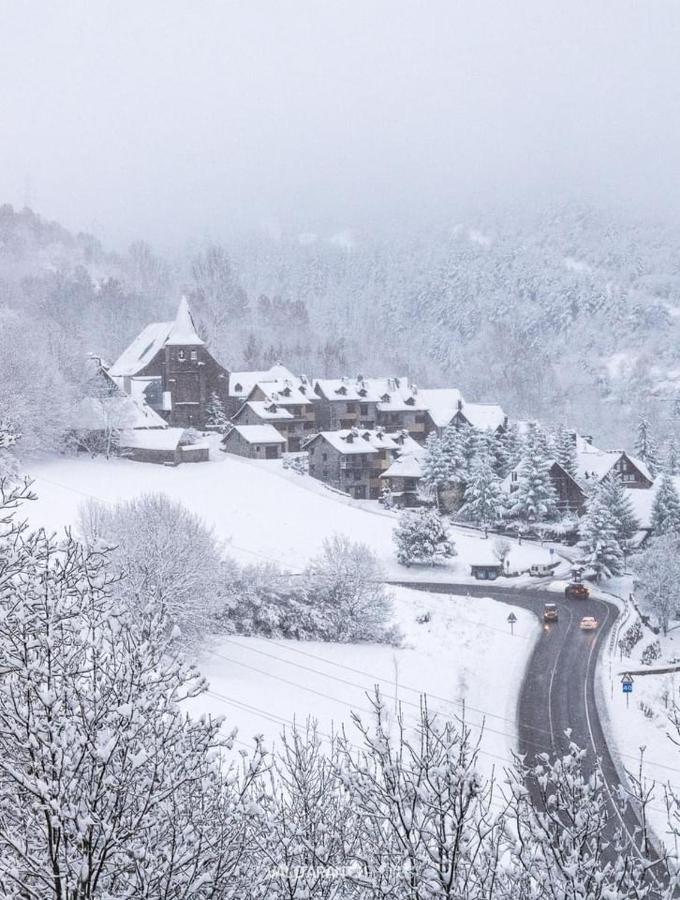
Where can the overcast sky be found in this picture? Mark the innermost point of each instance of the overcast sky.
(182, 120)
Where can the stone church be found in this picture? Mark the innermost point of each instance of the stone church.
(169, 367)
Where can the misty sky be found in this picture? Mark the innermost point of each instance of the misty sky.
(178, 121)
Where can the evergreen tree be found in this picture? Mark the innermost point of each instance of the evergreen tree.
(421, 537)
(645, 447)
(484, 497)
(617, 500)
(537, 440)
(666, 508)
(435, 469)
(217, 417)
(565, 449)
(452, 446)
(601, 550)
(508, 451)
(535, 499)
(672, 462)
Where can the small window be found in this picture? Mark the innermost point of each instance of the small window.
(181, 355)
(324, 456)
(194, 355)
(363, 409)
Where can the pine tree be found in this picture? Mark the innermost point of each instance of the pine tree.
(421, 537)
(484, 496)
(672, 462)
(217, 417)
(666, 508)
(602, 552)
(453, 450)
(565, 449)
(508, 451)
(435, 469)
(645, 447)
(537, 440)
(535, 499)
(617, 500)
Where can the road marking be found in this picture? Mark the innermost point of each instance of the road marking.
(552, 676)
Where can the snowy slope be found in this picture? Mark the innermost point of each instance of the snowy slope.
(261, 686)
(261, 510)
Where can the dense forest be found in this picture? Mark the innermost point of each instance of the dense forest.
(565, 314)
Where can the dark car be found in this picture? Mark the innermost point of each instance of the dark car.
(576, 591)
(550, 612)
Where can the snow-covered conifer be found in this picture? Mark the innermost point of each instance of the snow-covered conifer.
(602, 552)
(666, 508)
(421, 537)
(453, 449)
(646, 449)
(657, 577)
(534, 499)
(217, 418)
(565, 449)
(484, 500)
(436, 473)
(618, 501)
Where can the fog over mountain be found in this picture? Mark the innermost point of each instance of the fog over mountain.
(179, 122)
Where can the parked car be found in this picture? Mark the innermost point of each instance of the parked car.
(540, 570)
(550, 612)
(576, 591)
(589, 623)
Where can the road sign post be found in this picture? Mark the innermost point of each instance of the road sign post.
(512, 618)
(627, 685)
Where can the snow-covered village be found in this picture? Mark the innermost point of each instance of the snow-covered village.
(339, 451)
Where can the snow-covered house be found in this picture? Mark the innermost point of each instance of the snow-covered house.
(242, 383)
(167, 446)
(570, 495)
(446, 406)
(254, 441)
(593, 466)
(392, 403)
(402, 478)
(352, 459)
(295, 398)
(169, 367)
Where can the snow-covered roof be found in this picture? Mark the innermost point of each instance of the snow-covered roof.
(152, 338)
(242, 383)
(408, 465)
(390, 394)
(593, 463)
(183, 331)
(484, 415)
(116, 411)
(267, 409)
(142, 350)
(286, 391)
(258, 434)
(151, 439)
(441, 403)
(350, 441)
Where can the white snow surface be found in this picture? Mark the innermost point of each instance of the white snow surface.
(263, 685)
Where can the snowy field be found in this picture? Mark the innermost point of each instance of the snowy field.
(265, 512)
(261, 510)
(262, 685)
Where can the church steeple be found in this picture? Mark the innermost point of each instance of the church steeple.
(183, 332)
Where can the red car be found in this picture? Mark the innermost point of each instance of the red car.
(576, 591)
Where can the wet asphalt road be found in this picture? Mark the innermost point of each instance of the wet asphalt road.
(558, 691)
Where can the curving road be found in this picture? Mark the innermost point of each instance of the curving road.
(558, 691)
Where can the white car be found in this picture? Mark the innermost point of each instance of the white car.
(589, 623)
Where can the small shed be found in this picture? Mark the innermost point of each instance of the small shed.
(254, 441)
(486, 571)
(164, 446)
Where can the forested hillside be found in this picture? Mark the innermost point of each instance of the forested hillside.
(565, 314)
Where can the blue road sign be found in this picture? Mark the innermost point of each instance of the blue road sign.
(627, 688)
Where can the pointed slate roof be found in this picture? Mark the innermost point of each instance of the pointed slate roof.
(183, 331)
